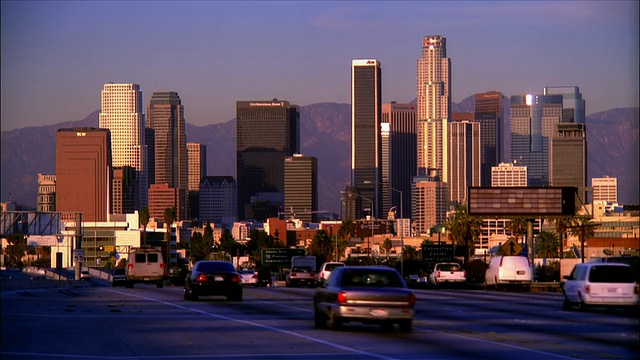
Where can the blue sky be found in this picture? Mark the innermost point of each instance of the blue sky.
(56, 55)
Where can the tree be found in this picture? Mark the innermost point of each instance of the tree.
(228, 243)
(347, 230)
(198, 248)
(518, 227)
(463, 229)
(170, 215)
(548, 245)
(258, 240)
(409, 253)
(387, 245)
(321, 246)
(17, 245)
(584, 229)
(144, 221)
(207, 239)
(562, 225)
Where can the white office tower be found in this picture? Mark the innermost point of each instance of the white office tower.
(605, 189)
(508, 175)
(433, 105)
(121, 113)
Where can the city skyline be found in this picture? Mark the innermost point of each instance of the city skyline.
(226, 52)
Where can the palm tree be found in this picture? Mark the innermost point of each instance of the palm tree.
(584, 229)
(387, 245)
(518, 226)
(562, 225)
(548, 244)
(144, 221)
(170, 215)
(463, 229)
(409, 252)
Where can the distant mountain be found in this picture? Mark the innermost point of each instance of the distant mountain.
(325, 133)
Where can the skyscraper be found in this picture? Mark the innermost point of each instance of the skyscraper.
(533, 121)
(165, 115)
(573, 105)
(197, 167)
(266, 133)
(218, 199)
(568, 159)
(433, 105)
(301, 187)
(605, 189)
(399, 155)
(430, 201)
(464, 158)
(83, 172)
(366, 140)
(490, 110)
(121, 113)
(508, 174)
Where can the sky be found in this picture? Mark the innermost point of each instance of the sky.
(56, 55)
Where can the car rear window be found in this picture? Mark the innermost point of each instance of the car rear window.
(118, 272)
(330, 267)
(215, 266)
(371, 278)
(611, 274)
(449, 267)
(301, 269)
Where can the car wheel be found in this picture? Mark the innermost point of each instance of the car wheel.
(236, 296)
(581, 304)
(406, 326)
(486, 286)
(159, 285)
(319, 320)
(387, 326)
(186, 295)
(334, 322)
(129, 285)
(566, 304)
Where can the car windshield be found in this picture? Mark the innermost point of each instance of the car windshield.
(212, 266)
(611, 274)
(371, 278)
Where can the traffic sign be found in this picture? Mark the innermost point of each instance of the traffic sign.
(365, 226)
(78, 255)
(511, 247)
(437, 253)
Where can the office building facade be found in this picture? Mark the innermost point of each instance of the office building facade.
(366, 139)
(83, 172)
(123, 189)
(46, 193)
(573, 105)
(605, 189)
(165, 115)
(464, 158)
(218, 199)
(430, 202)
(508, 174)
(399, 156)
(162, 197)
(301, 187)
(433, 105)
(569, 159)
(266, 133)
(197, 164)
(122, 113)
(490, 111)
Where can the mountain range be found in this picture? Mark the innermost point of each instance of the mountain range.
(612, 149)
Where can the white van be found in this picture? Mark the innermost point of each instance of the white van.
(508, 270)
(325, 270)
(145, 265)
(606, 284)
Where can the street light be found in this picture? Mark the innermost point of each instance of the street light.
(401, 233)
(371, 218)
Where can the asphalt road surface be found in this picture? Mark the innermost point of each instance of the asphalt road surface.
(100, 322)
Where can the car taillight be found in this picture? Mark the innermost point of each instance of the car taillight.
(587, 288)
(236, 278)
(294, 274)
(438, 274)
(464, 273)
(255, 276)
(201, 278)
(342, 297)
(412, 300)
(130, 266)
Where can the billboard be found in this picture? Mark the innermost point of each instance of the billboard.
(512, 202)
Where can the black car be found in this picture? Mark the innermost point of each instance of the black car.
(210, 277)
(118, 277)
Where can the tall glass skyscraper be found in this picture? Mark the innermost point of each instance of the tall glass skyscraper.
(433, 105)
(121, 113)
(266, 133)
(366, 140)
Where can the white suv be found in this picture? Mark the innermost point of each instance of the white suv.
(325, 271)
(607, 284)
(145, 265)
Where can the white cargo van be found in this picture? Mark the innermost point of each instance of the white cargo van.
(508, 270)
(145, 265)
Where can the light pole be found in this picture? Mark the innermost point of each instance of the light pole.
(401, 233)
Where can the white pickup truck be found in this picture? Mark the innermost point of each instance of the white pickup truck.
(449, 272)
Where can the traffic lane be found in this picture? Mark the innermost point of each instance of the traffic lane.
(534, 320)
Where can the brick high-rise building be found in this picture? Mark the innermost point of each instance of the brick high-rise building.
(83, 172)
(161, 197)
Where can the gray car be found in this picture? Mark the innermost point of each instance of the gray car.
(364, 294)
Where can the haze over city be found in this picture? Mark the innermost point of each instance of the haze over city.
(56, 56)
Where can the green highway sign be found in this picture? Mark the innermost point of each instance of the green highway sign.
(280, 257)
(437, 253)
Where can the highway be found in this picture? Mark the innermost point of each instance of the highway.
(101, 322)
